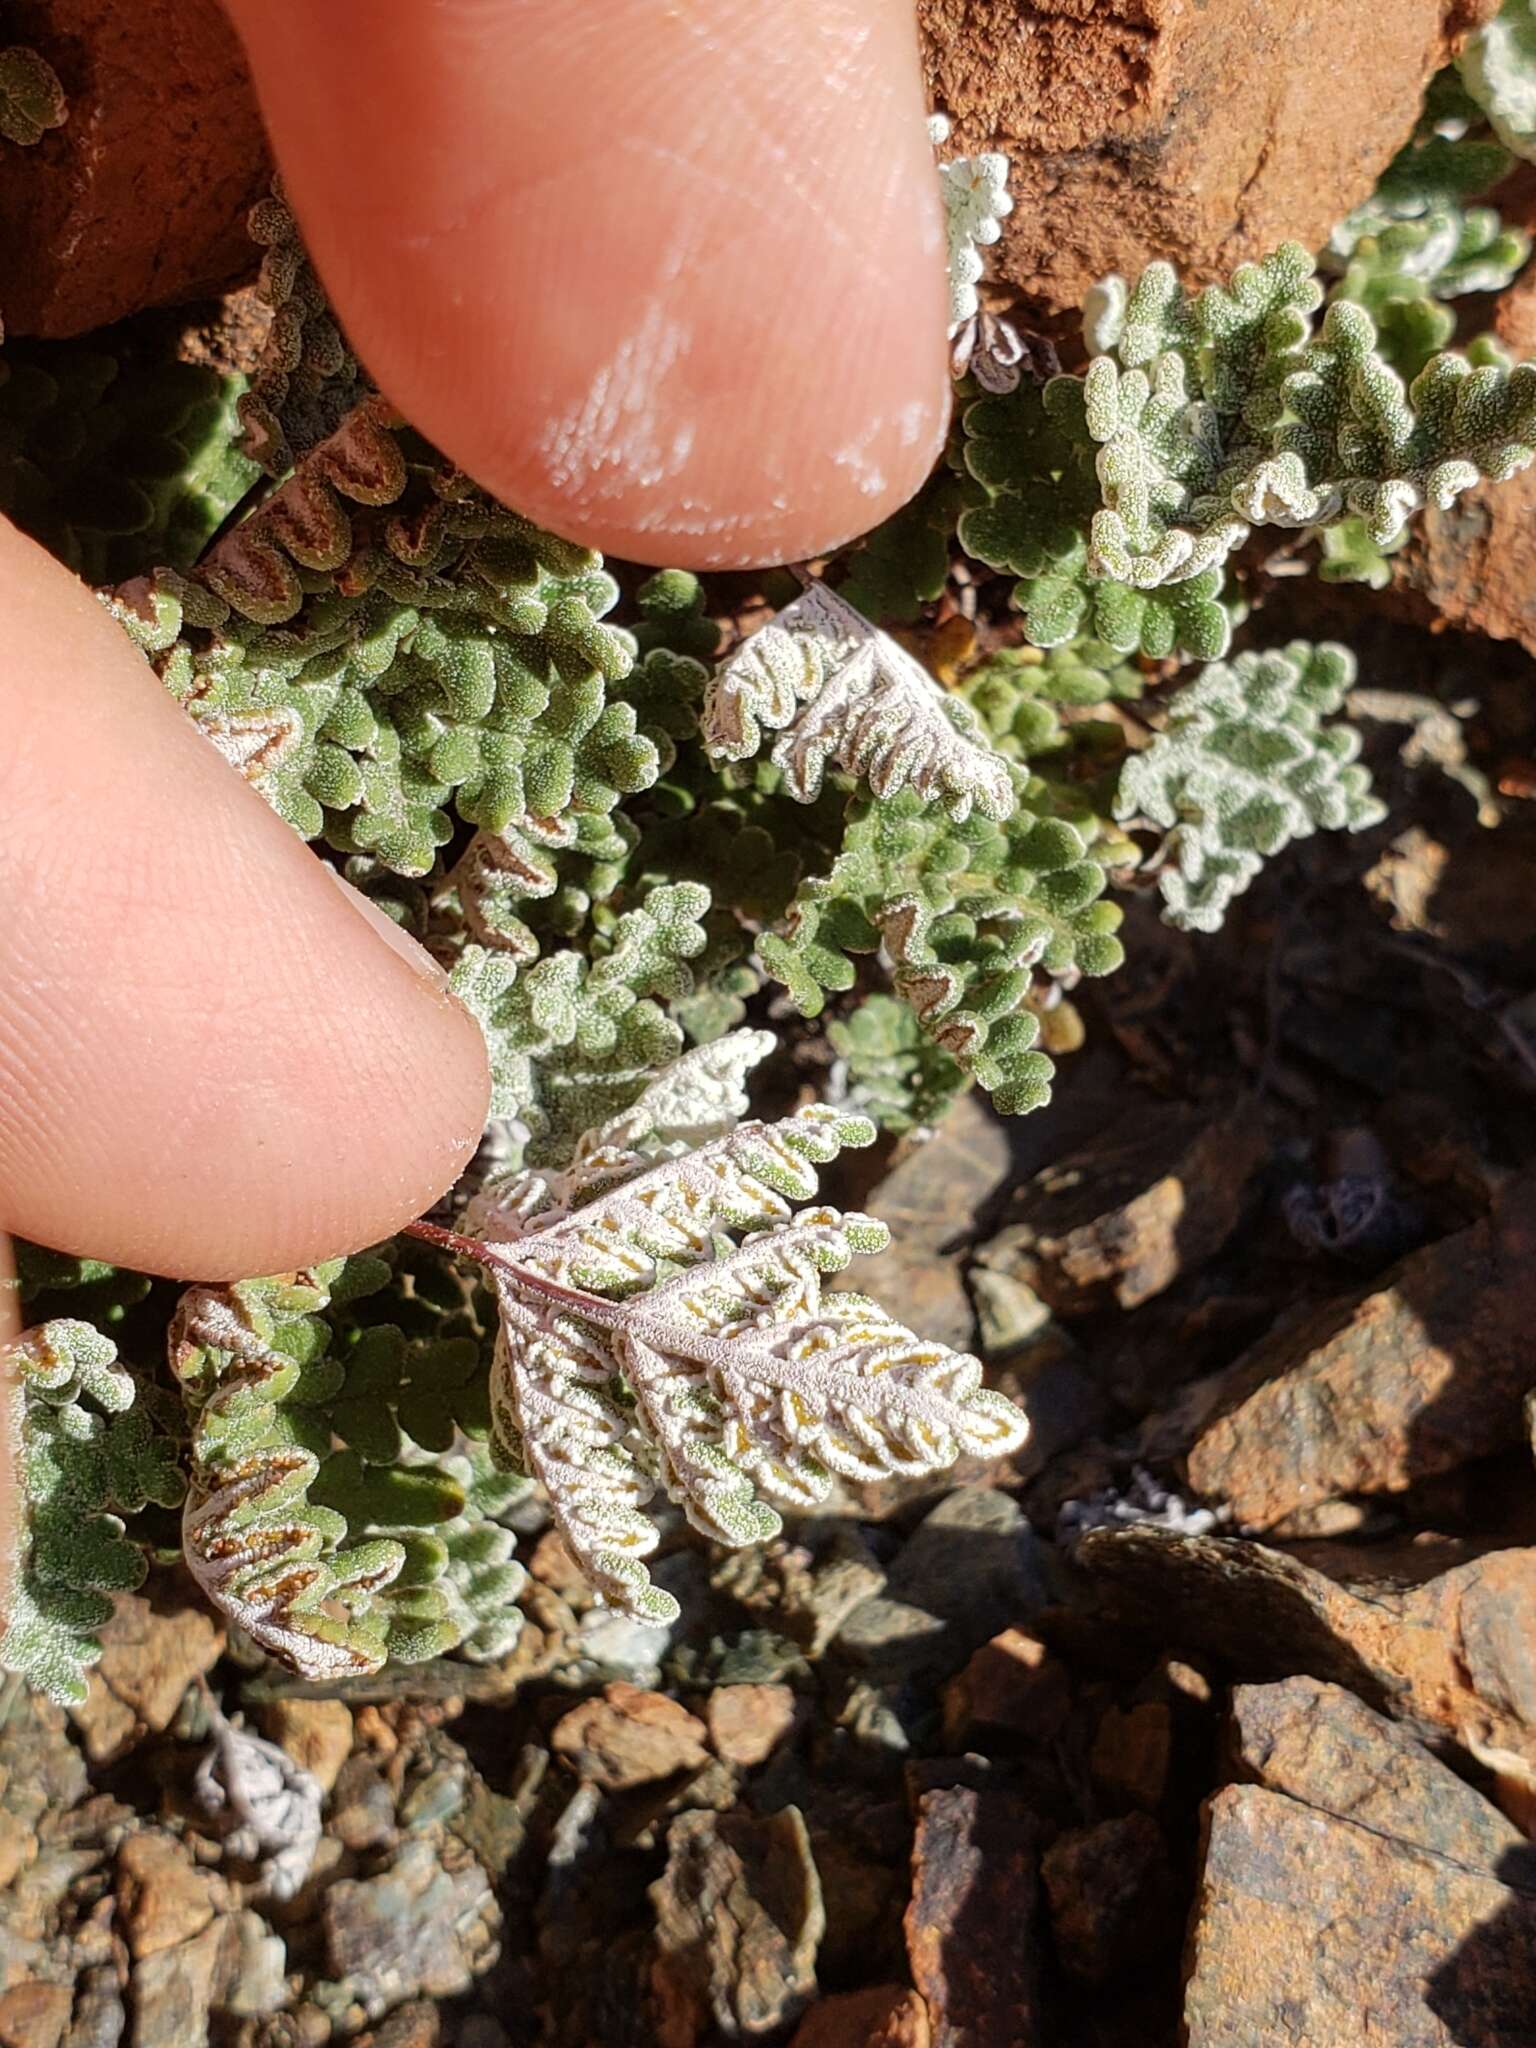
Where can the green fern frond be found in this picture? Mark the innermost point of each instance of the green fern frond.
(88, 1457)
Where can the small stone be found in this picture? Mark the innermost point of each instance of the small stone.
(844, 1575)
(1110, 1890)
(970, 1926)
(362, 1806)
(1153, 129)
(35, 2015)
(747, 1722)
(552, 1564)
(413, 2026)
(41, 1772)
(887, 2016)
(317, 1734)
(163, 1899)
(172, 1992)
(1132, 1751)
(1371, 1393)
(101, 219)
(416, 1929)
(260, 1983)
(1119, 1223)
(972, 1568)
(629, 1737)
(738, 1920)
(1013, 1685)
(149, 1657)
(1308, 1928)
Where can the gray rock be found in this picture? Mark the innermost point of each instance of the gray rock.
(417, 1928)
(739, 1918)
(972, 1568)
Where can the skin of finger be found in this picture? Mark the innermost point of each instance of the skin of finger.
(10, 1326)
(667, 275)
(210, 1065)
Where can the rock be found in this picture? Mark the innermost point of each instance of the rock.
(35, 2015)
(1157, 1197)
(970, 1925)
(1110, 1892)
(970, 1569)
(260, 1980)
(1366, 1395)
(413, 2026)
(1207, 135)
(1132, 1752)
(1453, 1652)
(738, 1920)
(172, 1992)
(629, 1737)
(844, 1574)
(362, 1806)
(930, 1200)
(886, 2016)
(140, 198)
(1319, 1744)
(1014, 1686)
(1309, 1928)
(41, 1772)
(1475, 562)
(418, 1928)
(316, 1734)
(163, 1899)
(150, 1655)
(746, 1723)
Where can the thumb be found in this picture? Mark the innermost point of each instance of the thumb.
(668, 278)
(210, 1063)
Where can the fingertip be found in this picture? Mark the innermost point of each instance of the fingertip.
(683, 300)
(210, 1065)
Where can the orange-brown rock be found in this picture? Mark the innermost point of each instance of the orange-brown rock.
(747, 1722)
(1203, 133)
(1111, 1896)
(1423, 1372)
(1452, 1651)
(1476, 561)
(970, 1926)
(1118, 1222)
(1013, 1686)
(1319, 1744)
(886, 2016)
(140, 198)
(629, 1737)
(1308, 1928)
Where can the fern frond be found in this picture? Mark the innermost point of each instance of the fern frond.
(87, 1457)
(672, 1328)
(1245, 765)
(835, 688)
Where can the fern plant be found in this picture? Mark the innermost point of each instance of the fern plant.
(660, 828)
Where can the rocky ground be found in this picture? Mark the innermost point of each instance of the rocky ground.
(1211, 1720)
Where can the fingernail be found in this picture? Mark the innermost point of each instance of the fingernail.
(398, 941)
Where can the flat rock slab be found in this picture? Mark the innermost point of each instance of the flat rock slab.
(1366, 1395)
(1319, 1744)
(1452, 1650)
(1313, 1932)
(1204, 134)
